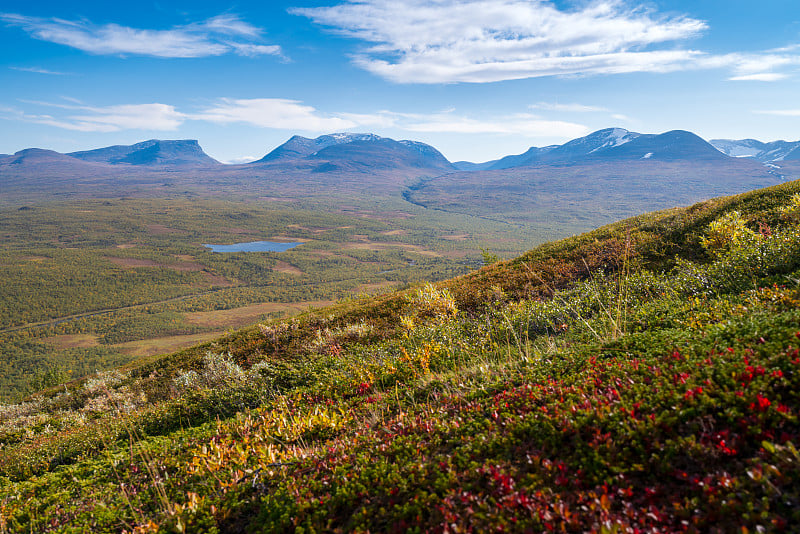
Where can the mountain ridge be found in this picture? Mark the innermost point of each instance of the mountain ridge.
(357, 150)
(606, 143)
(153, 152)
(770, 152)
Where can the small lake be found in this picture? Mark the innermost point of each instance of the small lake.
(254, 246)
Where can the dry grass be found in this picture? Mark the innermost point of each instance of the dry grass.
(373, 288)
(160, 229)
(73, 341)
(135, 262)
(245, 315)
(163, 345)
(368, 245)
(185, 265)
(287, 268)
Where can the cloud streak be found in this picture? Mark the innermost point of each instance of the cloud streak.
(480, 41)
(83, 118)
(518, 124)
(569, 108)
(285, 114)
(491, 40)
(272, 113)
(781, 112)
(224, 34)
(38, 70)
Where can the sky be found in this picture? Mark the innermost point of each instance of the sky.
(477, 79)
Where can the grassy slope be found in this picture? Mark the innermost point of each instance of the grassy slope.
(549, 392)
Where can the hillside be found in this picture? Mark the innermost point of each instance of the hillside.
(641, 376)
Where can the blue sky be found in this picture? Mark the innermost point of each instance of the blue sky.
(477, 79)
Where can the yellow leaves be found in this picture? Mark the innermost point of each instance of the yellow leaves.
(433, 303)
(407, 323)
(725, 232)
(791, 211)
(262, 439)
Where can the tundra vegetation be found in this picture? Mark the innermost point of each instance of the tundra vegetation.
(643, 377)
(96, 283)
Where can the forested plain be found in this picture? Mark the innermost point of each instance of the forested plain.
(95, 283)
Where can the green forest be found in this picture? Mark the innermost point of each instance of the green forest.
(86, 279)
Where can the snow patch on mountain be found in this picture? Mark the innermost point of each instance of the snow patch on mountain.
(616, 137)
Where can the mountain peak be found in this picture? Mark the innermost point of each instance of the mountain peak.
(359, 149)
(172, 152)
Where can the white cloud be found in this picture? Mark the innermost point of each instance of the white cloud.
(571, 108)
(759, 77)
(294, 115)
(213, 37)
(38, 70)
(272, 113)
(285, 114)
(447, 41)
(110, 118)
(241, 160)
(519, 124)
(440, 41)
(781, 112)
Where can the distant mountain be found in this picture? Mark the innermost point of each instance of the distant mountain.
(677, 145)
(610, 144)
(469, 166)
(299, 147)
(40, 159)
(742, 148)
(33, 155)
(345, 151)
(765, 152)
(593, 145)
(530, 157)
(155, 152)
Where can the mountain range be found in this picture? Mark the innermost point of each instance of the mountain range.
(607, 175)
(350, 150)
(619, 144)
(773, 152)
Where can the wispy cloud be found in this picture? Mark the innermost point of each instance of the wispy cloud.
(447, 41)
(781, 112)
(491, 40)
(107, 119)
(759, 77)
(570, 108)
(272, 113)
(224, 34)
(283, 114)
(519, 124)
(38, 70)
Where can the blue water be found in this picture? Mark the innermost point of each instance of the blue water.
(253, 246)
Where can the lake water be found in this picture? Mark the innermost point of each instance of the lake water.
(254, 246)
